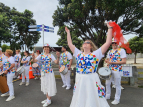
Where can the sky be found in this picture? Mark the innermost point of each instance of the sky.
(43, 11)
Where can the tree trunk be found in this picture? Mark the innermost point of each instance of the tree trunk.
(135, 58)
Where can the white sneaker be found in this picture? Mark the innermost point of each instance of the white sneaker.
(44, 101)
(122, 88)
(64, 86)
(10, 98)
(68, 88)
(47, 103)
(115, 102)
(27, 83)
(113, 86)
(21, 83)
(5, 94)
(18, 77)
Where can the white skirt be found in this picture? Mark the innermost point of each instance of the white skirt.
(48, 84)
(88, 92)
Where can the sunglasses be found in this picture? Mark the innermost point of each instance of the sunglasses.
(86, 43)
(114, 43)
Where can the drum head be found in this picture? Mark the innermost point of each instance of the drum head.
(104, 71)
(34, 65)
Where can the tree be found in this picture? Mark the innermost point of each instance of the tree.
(4, 47)
(86, 17)
(136, 45)
(14, 28)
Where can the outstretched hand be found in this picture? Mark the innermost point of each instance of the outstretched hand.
(108, 25)
(67, 30)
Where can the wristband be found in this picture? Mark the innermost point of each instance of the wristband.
(110, 27)
(8, 70)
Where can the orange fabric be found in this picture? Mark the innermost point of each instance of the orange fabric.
(118, 36)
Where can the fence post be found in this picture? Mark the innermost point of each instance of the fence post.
(134, 78)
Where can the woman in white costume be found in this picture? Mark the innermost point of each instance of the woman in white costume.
(25, 61)
(88, 91)
(9, 70)
(48, 83)
(17, 59)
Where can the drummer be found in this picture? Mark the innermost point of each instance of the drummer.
(88, 90)
(2, 58)
(9, 69)
(25, 61)
(48, 83)
(37, 70)
(115, 57)
(66, 60)
(17, 58)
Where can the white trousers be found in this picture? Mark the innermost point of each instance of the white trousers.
(66, 78)
(116, 76)
(10, 83)
(17, 65)
(25, 73)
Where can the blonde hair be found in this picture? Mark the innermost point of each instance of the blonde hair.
(18, 50)
(93, 46)
(10, 52)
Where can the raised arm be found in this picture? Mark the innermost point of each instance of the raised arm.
(58, 57)
(71, 46)
(108, 42)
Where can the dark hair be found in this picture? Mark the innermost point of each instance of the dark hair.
(38, 51)
(65, 47)
(27, 52)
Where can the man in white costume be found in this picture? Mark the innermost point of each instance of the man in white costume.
(115, 57)
(66, 60)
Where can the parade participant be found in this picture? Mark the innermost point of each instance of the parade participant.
(66, 60)
(115, 57)
(25, 61)
(88, 91)
(17, 58)
(2, 58)
(113, 85)
(48, 83)
(37, 70)
(9, 69)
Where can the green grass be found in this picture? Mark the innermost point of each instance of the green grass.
(140, 72)
(140, 86)
(57, 76)
(140, 78)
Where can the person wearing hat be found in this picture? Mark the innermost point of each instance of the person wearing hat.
(25, 61)
(66, 60)
(48, 83)
(9, 70)
(2, 58)
(17, 58)
(115, 57)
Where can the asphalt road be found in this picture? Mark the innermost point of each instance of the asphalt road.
(31, 96)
